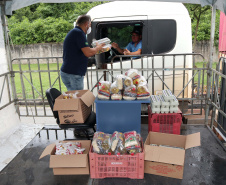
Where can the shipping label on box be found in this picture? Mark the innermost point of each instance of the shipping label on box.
(72, 111)
(165, 153)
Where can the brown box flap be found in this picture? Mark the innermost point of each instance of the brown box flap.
(192, 140)
(164, 155)
(58, 161)
(88, 98)
(166, 139)
(66, 104)
(48, 150)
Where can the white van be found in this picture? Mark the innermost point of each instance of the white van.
(166, 29)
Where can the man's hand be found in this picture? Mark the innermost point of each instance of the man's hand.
(114, 45)
(126, 52)
(100, 47)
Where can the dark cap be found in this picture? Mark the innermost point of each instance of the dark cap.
(136, 31)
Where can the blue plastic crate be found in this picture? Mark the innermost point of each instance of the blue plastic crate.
(119, 115)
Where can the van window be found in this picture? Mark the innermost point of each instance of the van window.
(163, 35)
(119, 32)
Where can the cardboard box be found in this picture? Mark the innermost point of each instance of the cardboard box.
(68, 164)
(72, 111)
(167, 161)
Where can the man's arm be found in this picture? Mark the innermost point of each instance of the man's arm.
(116, 46)
(127, 52)
(88, 52)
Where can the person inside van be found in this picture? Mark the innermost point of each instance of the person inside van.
(134, 47)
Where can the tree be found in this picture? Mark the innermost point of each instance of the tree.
(201, 22)
(45, 22)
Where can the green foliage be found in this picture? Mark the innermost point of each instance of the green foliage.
(45, 22)
(204, 26)
(39, 31)
(50, 22)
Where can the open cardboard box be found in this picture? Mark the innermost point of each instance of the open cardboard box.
(72, 111)
(68, 164)
(167, 161)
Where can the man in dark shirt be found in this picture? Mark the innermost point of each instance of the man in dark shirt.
(75, 54)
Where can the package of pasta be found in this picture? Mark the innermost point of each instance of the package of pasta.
(127, 82)
(130, 93)
(119, 81)
(142, 80)
(116, 94)
(130, 138)
(118, 143)
(101, 143)
(70, 95)
(104, 90)
(69, 148)
(132, 142)
(133, 73)
(142, 91)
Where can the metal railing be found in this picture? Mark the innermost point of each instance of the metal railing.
(26, 84)
(218, 97)
(6, 90)
(33, 76)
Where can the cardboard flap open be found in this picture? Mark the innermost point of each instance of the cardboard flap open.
(48, 150)
(192, 140)
(66, 104)
(79, 160)
(88, 98)
(164, 155)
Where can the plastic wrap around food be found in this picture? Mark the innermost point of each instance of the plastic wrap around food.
(118, 143)
(105, 48)
(101, 41)
(142, 81)
(70, 95)
(127, 82)
(119, 81)
(133, 73)
(69, 148)
(130, 93)
(132, 142)
(105, 41)
(104, 90)
(116, 94)
(101, 143)
(142, 91)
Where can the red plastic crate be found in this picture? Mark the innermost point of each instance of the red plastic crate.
(116, 166)
(164, 122)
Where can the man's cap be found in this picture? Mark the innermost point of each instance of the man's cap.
(136, 31)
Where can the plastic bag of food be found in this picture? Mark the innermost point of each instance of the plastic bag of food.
(105, 41)
(101, 143)
(117, 143)
(133, 73)
(127, 82)
(142, 80)
(116, 94)
(104, 91)
(105, 48)
(132, 142)
(70, 95)
(119, 81)
(130, 138)
(142, 91)
(130, 93)
(69, 148)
